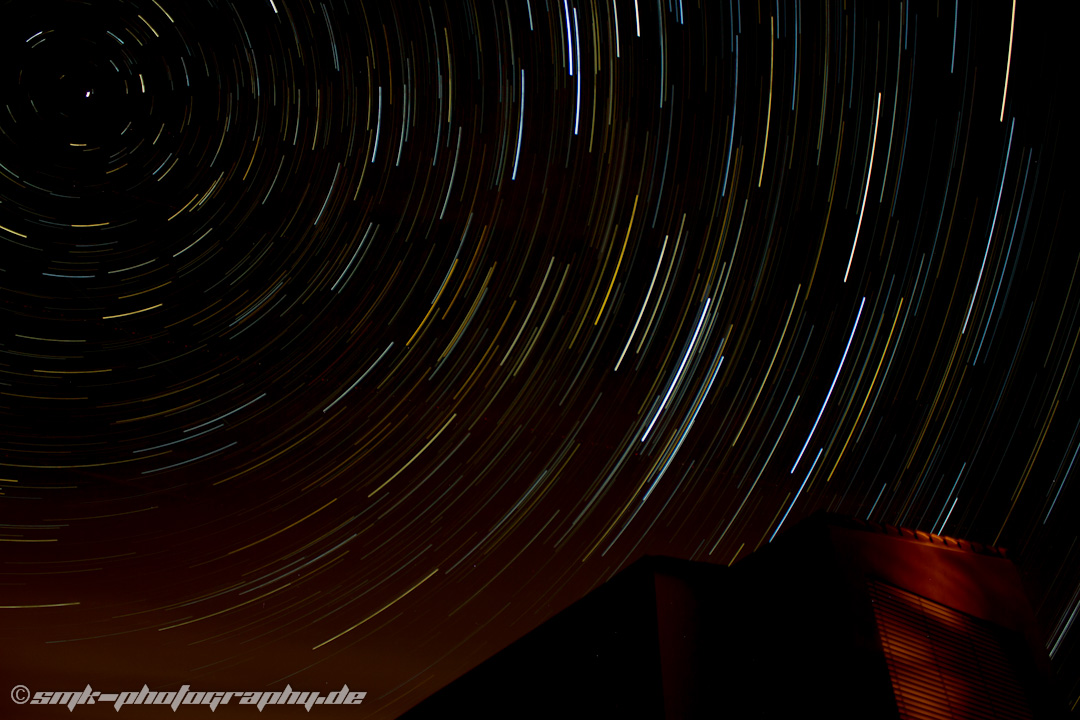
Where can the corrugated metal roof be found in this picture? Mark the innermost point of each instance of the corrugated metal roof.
(944, 664)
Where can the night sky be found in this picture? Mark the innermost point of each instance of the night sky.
(347, 342)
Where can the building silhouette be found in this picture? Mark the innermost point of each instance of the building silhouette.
(836, 618)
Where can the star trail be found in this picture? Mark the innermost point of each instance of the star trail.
(348, 341)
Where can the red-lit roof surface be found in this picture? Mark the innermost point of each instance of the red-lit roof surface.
(942, 662)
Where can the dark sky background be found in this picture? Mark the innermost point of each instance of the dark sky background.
(346, 342)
